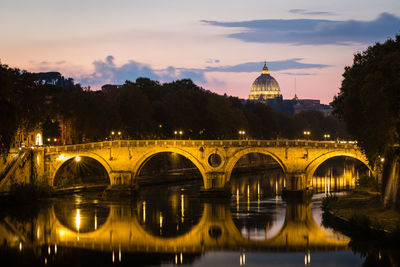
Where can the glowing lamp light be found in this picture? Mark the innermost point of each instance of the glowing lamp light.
(77, 158)
(61, 157)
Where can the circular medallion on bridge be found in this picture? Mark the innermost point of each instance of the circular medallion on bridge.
(214, 160)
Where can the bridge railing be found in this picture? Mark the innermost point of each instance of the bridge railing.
(204, 143)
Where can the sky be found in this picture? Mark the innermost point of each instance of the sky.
(220, 45)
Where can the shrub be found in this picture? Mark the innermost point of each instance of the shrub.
(365, 181)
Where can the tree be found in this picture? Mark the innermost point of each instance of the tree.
(369, 98)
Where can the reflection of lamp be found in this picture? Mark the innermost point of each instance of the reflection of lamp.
(144, 211)
(78, 219)
(183, 206)
(242, 259)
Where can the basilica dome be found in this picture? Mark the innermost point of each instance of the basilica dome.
(265, 87)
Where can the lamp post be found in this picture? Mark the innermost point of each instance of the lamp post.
(112, 135)
(241, 134)
(119, 134)
(327, 136)
(307, 134)
(175, 134)
(180, 134)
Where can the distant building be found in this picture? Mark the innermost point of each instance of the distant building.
(266, 89)
(54, 78)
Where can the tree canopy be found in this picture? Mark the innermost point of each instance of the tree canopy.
(369, 98)
(143, 109)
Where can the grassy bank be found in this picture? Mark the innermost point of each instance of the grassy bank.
(362, 212)
(365, 209)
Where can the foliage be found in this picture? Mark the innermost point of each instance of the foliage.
(360, 225)
(26, 192)
(369, 98)
(366, 181)
(326, 201)
(144, 109)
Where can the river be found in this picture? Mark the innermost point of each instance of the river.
(168, 225)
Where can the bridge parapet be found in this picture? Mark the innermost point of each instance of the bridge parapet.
(199, 143)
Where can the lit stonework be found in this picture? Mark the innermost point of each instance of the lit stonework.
(265, 87)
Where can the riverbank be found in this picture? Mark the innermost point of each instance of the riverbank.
(363, 209)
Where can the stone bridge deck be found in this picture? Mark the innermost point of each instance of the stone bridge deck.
(215, 159)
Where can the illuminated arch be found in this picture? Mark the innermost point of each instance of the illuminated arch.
(145, 158)
(313, 165)
(238, 155)
(63, 158)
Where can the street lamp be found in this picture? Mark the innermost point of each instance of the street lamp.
(241, 134)
(307, 134)
(119, 134)
(180, 134)
(327, 136)
(175, 133)
(112, 135)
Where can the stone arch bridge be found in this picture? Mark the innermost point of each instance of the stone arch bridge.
(215, 159)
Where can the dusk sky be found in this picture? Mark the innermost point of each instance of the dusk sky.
(220, 45)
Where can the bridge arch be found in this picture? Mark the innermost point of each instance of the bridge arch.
(235, 158)
(146, 157)
(64, 158)
(313, 165)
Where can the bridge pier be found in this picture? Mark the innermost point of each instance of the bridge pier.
(215, 184)
(121, 177)
(296, 186)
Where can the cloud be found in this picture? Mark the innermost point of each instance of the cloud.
(212, 61)
(306, 12)
(272, 65)
(298, 73)
(107, 72)
(314, 32)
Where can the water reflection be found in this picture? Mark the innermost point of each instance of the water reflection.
(337, 174)
(162, 226)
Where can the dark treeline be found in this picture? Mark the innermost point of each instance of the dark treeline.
(144, 109)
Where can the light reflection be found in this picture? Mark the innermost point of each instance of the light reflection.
(113, 256)
(48, 250)
(95, 221)
(78, 220)
(161, 222)
(20, 246)
(242, 259)
(183, 206)
(248, 197)
(237, 201)
(55, 249)
(144, 211)
(307, 258)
